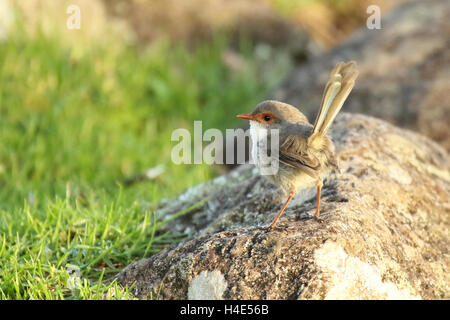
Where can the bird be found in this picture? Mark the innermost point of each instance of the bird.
(306, 154)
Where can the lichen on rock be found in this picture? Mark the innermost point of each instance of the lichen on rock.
(208, 285)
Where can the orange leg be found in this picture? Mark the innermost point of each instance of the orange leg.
(319, 187)
(272, 225)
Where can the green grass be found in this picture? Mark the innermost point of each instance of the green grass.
(74, 123)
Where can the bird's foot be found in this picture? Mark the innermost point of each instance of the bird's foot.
(273, 228)
(319, 219)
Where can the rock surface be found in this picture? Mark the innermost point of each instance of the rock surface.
(384, 233)
(404, 75)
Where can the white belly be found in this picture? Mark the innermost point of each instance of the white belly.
(261, 145)
(258, 134)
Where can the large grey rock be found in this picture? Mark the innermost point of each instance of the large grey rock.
(384, 232)
(404, 71)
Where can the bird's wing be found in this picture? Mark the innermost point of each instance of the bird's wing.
(293, 152)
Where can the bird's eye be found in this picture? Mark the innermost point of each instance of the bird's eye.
(267, 118)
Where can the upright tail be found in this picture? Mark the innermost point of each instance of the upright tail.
(341, 82)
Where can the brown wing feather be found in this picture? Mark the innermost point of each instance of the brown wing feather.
(341, 82)
(293, 152)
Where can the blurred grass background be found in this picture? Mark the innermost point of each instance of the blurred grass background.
(75, 122)
(83, 111)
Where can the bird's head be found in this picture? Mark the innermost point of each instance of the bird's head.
(273, 113)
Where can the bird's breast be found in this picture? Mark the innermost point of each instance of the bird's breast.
(260, 147)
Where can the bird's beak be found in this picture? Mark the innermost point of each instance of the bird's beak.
(245, 116)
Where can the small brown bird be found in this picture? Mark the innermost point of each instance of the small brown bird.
(306, 153)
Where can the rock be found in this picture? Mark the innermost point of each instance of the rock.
(403, 71)
(384, 233)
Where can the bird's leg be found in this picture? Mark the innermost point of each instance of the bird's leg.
(319, 188)
(272, 225)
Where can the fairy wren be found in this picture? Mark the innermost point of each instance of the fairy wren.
(305, 152)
